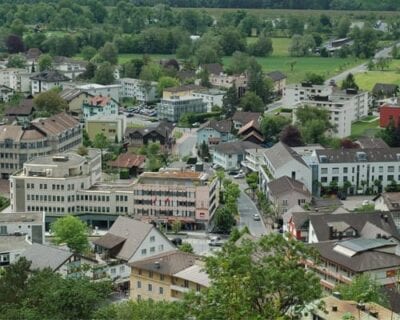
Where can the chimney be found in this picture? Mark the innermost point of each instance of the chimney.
(330, 233)
(334, 308)
(337, 295)
(386, 218)
(361, 306)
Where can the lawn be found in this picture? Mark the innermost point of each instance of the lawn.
(364, 128)
(367, 80)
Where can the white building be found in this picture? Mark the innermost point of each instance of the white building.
(211, 97)
(46, 80)
(100, 105)
(6, 93)
(11, 248)
(143, 91)
(30, 225)
(69, 67)
(9, 77)
(230, 155)
(111, 127)
(173, 108)
(94, 89)
(345, 106)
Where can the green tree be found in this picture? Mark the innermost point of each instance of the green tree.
(151, 72)
(71, 231)
(262, 47)
(133, 68)
(231, 40)
(88, 52)
(224, 220)
(252, 102)
(186, 247)
(259, 279)
(349, 82)
(16, 61)
(313, 123)
(252, 181)
(382, 63)
(176, 226)
(166, 82)
(257, 82)
(230, 101)
(18, 27)
(45, 62)
(204, 76)
(50, 102)
(271, 126)
(109, 53)
(291, 136)
(104, 74)
(86, 139)
(365, 42)
(207, 54)
(343, 27)
(221, 176)
(239, 63)
(315, 78)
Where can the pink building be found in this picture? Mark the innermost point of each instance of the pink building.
(167, 196)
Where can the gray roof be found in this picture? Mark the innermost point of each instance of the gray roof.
(133, 231)
(357, 221)
(50, 76)
(372, 143)
(213, 68)
(13, 243)
(285, 185)
(387, 89)
(223, 126)
(235, 147)
(280, 154)
(357, 155)
(245, 117)
(167, 263)
(32, 217)
(360, 262)
(70, 94)
(43, 256)
(288, 214)
(276, 75)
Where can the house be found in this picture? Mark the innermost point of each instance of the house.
(75, 99)
(100, 105)
(388, 113)
(143, 91)
(69, 67)
(389, 202)
(172, 109)
(131, 162)
(94, 89)
(128, 241)
(230, 155)
(226, 81)
(251, 132)
(296, 223)
(212, 68)
(211, 97)
(31, 225)
(46, 80)
(11, 248)
(112, 127)
(167, 276)
(240, 118)
(21, 113)
(278, 80)
(181, 91)
(285, 193)
(253, 158)
(176, 195)
(335, 308)
(281, 160)
(385, 90)
(61, 261)
(162, 134)
(6, 93)
(215, 132)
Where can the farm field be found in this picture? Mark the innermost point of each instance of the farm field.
(367, 80)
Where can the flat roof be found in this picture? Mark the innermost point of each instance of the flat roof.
(174, 174)
(22, 217)
(13, 243)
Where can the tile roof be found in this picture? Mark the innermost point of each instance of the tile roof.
(43, 256)
(168, 263)
(29, 135)
(251, 124)
(223, 126)
(12, 243)
(386, 88)
(11, 132)
(50, 76)
(213, 68)
(188, 87)
(99, 101)
(372, 143)
(285, 185)
(194, 273)
(254, 134)
(357, 155)
(235, 147)
(245, 117)
(128, 160)
(109, 241)
(280, 154)
(56, 124)
(276, 75)
(25, 108)
(288, 214)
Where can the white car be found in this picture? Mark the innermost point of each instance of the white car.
(240, 175)
(215, 242)
(256, 217)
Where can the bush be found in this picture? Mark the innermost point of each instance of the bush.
(124, 174)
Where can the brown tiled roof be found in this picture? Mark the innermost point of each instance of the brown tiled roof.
(32, 135)
(223, 126)
(213, 68)
(128, 160)
(25, 108)
(50, 76)
(99, 101)
(285, 184)
(109, 241)
(245, 117)
(11, 132)
(254, 134)
(167, 263)
(56, 124)
(188, 87)
(251, 124)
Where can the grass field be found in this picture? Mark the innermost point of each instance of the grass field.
(367, 80)
(365, 128)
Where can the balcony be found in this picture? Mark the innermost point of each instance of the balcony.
(179, 288)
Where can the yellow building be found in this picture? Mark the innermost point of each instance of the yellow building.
(167, 276)
(182, 91)
(111, 127)
(75, 98)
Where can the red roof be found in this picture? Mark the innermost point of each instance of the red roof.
(99, 101)
(128, 160)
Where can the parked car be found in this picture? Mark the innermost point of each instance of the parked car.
(215, 242)
(233, 172)
(196, 125)
(177, 241)
(256, 217)
(240, 175)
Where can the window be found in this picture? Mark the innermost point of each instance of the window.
(345, 170)
(150, 287)
(144, 252)
(284, 202)
(161, 290)
(139, 285)
(186, 284)
(161, 277)
(113, 271)
(324, 170)
(391, 169)
(150, 274)
(198, 287)
(324, 179)
(152, 238)
(335, 170)
(390, 177)
(153, 249)
(161, 247)
(3, 230)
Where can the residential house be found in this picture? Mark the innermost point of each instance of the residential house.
(30, 225)
(172, 109)
(128, 241)
(363, 169)
(112, 127)
(285, 193)
(127, 161)
(21, 113)
(62, 261)
(75, 99)
(100, 105)
(20, 143)
(296, 223)
(69, 67)
(176, 195)
(143, 91)
(230, 155)
(46, 80)
(94, 89)
(241, 118)
(389, 202)
(226, 81)
(214, 132)
(167, 277)
(162, 134)
(388, 113)
(211, 97)
(212, 68)
(251, 132)
(278, 80)
(11, 248)
(385, 90)
(281, 160)
(6, 93)
(181, 91)
(253, 159)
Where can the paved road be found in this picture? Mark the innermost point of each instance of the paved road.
(185, 145)
(273, 106)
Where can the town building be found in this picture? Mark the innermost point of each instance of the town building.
(214, 132)
(284, 193)
(6, 93)
(278, 80)
(11, 248)
(46, 80)
(100, 105)
(296, 223)
(75, 99)
(20, 143)
(138, 137)
(251, 132)
(113, 127)
(167, 277)
(133, 163)
(211, 68)
(230, 155)
(143, 91)
(388, 113)
(94, 89)
(173, 108)
(21, 113)
(226, 81)
(241, 118)
(30, 225)
(11, 78)
(389, 202)
(181, 91)
(167, 196)
(69, 67)
(253, 159)
(385, 90)
(211, 97)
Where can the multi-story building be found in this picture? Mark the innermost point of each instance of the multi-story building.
(173, 108)
(211, 97)
(19, 144)
(112, 127)
(388, 113)
(9, 77)
(69, 67)
(30, 225)
(226, 81)
(230, 155)
(11, 248)
(167, 276)
(359, 169)
(100, 105)
(143, 91)
(344, 106)
(94, 89)
(214, 132)
(46, 80)
(166, 196)
(181, 91)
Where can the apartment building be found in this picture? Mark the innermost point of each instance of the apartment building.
(112, 127)
(173, 108)
(46, 80)
(226, 81)
(181, 91)
(211, 97)
(15, 78)
(143, 91)
(30, 225)
(344, 106)
(166, 196)
(100, 106)
(94, 89)
(167, 276)
(361, 169)
(19, 144)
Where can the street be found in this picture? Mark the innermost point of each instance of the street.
(185, 145)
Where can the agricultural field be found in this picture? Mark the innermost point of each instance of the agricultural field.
(367, 80)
